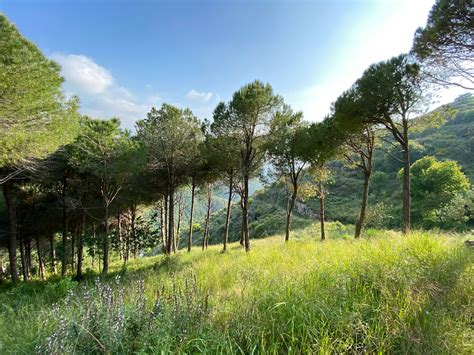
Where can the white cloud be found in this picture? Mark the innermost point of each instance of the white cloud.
(83, 74)
(199, 96)
(100, 95)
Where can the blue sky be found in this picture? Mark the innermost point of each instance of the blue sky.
(122, 57)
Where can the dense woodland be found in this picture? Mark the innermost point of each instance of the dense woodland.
(77, 187)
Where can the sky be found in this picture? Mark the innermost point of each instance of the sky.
(123, 57)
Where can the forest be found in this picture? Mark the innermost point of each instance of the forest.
(255, 230)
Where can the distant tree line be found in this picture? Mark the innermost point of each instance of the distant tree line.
(88, 181)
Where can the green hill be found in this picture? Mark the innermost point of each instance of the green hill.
(454, 140)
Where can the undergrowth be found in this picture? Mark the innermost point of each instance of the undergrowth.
(381, 294)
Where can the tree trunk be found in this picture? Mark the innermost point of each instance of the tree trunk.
(24, 267)
(11, 208)
(28, 257)
(170, 221)
(2, 272)
(80, 247)
(245, 213)
(65, 230)
(74, 234)
(363, 209)
(105, 268)
(289, 211)
(133, 217)
(242, 226)
(40, 259)
(180, 217)
(53, 253)
(93, 246)
(166, 221)
(119, 234)
(205, 240)
(191, 213)
(321, 210)
(406, 190)
(163, 226)
(227, 214)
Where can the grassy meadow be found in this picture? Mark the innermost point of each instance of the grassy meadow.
(381, 294)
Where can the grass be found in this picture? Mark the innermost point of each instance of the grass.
(381, 294)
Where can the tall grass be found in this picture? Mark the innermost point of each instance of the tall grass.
(381, 294)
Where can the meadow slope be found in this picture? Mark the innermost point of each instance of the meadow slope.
(380, 294)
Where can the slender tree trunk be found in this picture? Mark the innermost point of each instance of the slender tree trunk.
(11, 208)
(245, 213)
(163, 226)
(2, 272)
(406, 184)
(133, 217)
(40, 259)
(80, 247)
(119, 234)
(65, 229)
(166, 222)
(28, 257)
(321, 210)
(74, 234)
(24, 267)
(53, 253)
(227, 214)
(289, 211)
(242, 226)
(170, 220)
(205, 240)
(180, 217)
(363, 209)
(105, 268)
(93, 246)
(191, 213)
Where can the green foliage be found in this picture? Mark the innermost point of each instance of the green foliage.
(34, 118)
(445, 43)
(435, 185)
(170, 136)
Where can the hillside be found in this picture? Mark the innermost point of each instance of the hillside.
(381, 294)
(453, 140)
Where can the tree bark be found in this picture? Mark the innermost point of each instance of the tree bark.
(321, 210)
(40, 259)
(119, 235)
(289, 212)
(24, 266)
(93, 246)
(205, 240)
(245, 213)
(65, 229)
(170, 220)
(363, 209)
(105, 268)
(74, 234)
(178, 227)
(163, 226)
(406, 190)
(133, 217)
(11, 208)
(191, 213)
(166, 221)
(2, 272)
(227, 214)
(242, 226)
(28, 257)
(80, 247)
(53, 253)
